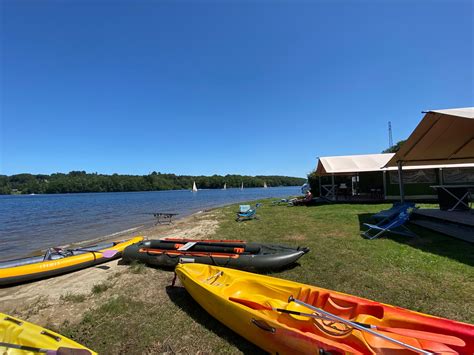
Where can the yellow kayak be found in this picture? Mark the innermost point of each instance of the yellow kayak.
(285, 317)
(59, 261)
(20, 337)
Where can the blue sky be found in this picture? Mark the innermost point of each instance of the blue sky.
(249, 87)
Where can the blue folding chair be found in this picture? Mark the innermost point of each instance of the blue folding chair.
(392, 212)
(395, 226)
(246, 213)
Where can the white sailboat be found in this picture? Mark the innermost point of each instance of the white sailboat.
(242, 187)
(225, 186)
(265, 185)
(194, 186)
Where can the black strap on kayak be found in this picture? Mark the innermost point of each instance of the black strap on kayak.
(23, 347)
(174, 279)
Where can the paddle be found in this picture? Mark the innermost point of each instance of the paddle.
(358, 327)
(327, 315)
(419, 334)
(59, 351)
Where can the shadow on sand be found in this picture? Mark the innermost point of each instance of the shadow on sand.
(180, 297)
(429, 241)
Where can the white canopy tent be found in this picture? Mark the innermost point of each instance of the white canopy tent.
(355, 164)
(352, 163)
(443, 137)
(348, 165)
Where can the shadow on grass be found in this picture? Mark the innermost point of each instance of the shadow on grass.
(429, 241)
(180, 297)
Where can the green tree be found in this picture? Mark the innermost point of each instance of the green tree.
(395, 148)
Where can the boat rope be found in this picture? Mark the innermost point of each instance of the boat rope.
(331, 327)
(215, 276)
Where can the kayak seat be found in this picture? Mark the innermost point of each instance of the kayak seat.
(338, 305)
(342, 309)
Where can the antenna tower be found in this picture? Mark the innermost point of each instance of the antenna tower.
(390, 139)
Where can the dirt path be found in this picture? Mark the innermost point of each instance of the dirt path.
(45, 301)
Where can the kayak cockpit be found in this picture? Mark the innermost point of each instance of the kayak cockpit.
(54, 254)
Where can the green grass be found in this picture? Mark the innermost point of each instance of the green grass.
(432, 274)
(137, 267)
(73, 297)
(100, 288)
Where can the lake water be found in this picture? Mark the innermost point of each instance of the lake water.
(30, 223)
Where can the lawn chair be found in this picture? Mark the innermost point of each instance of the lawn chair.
(392, 212)
(395, 226)
(246, 213)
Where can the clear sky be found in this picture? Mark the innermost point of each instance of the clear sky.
(247, 87)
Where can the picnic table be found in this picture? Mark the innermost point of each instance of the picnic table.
(164, 217)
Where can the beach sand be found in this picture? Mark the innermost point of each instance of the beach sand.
(45, 301)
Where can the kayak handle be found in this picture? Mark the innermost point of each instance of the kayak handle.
(263, 325)
(13, 320)
(48, 334)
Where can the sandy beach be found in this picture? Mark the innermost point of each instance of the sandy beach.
(44, 302)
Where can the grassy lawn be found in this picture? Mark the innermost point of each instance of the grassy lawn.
(141, 313)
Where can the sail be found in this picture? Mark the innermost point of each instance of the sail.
(225, 186)
(194, 186)
(242, 187)
(265, 185)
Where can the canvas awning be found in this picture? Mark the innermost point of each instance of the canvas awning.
(442, 137)
(350, 164)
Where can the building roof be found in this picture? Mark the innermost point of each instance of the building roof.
(442, 137)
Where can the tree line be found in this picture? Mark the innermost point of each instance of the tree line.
(80, 181)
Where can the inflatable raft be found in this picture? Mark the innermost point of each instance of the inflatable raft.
(237, 254)
(60, 261)
(285, 317)
(20, 337)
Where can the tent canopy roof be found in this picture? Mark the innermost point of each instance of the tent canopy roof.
(352, 163)
(442, 137)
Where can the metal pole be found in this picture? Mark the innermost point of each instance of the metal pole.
(384, 184)
(320, 192)
(332, 189)
(400, 181)
(440, 176)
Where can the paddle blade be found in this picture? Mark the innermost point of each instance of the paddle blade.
(421, 334)
(109, 253)
(251, 304)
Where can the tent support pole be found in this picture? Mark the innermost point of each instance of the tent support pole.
(332, 188)
(440, 176)
(400, 182)
(384, 184)
(320, 192)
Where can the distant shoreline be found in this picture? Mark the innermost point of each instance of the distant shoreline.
(106, 192)
(82, 182)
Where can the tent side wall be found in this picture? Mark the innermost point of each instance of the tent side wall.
(417, 184)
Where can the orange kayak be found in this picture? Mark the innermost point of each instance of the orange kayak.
(260, 308)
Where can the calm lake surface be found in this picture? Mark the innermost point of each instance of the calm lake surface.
(31, 223)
